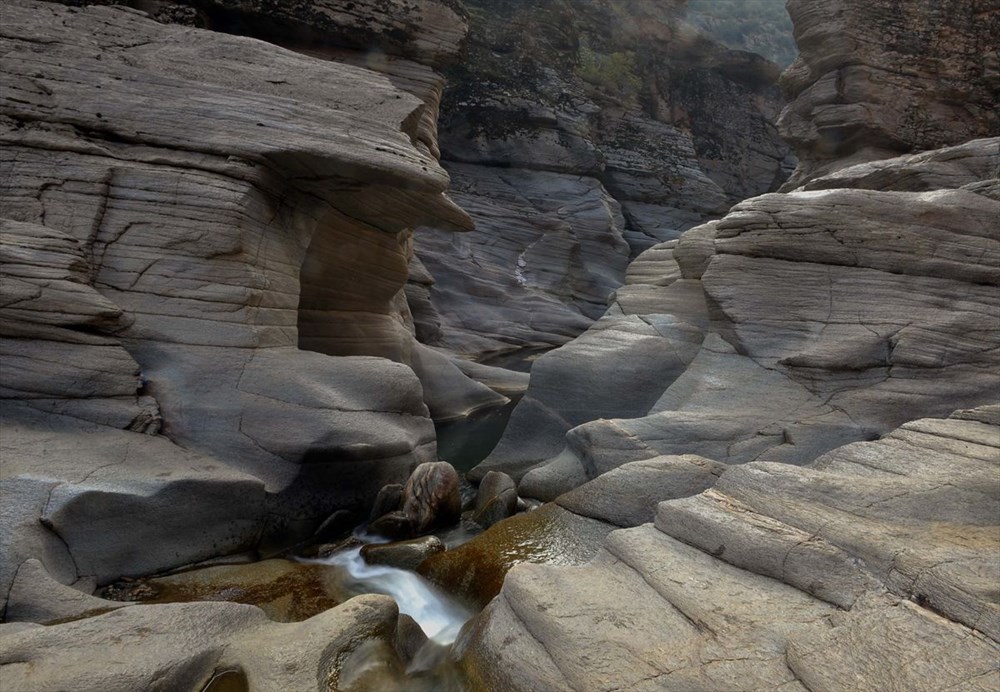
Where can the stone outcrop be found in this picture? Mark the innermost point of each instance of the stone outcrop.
(862, 298)
(878, 79)
(838, 528)
(184, 213)
(810, 319)
(874, 566)
(184, 646)
(577, 134)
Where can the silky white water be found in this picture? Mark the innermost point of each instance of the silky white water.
(438, 615)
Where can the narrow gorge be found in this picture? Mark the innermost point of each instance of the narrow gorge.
(499, 345)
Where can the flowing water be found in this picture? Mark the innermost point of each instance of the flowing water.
(439, 615)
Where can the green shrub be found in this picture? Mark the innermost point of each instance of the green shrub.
(614, 73)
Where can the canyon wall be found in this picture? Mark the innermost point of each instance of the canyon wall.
(838, 346)
(191, 223)
(578, 134)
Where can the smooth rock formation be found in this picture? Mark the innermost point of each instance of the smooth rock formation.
(183, 646)
(496, 499)
(875, 566)
(431, 497)
(840, 324)
(164, 266)
(402, 554)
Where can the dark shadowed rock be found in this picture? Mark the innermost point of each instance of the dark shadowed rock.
(854, 95)
(402, 554)
(431, 497)
(496, 499)
(395, 525)
(389, 499)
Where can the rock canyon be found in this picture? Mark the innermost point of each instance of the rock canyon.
(499, 345)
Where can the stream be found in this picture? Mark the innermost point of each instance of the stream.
(439, 615)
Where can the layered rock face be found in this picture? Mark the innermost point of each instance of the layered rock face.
(838, 311)
(839, 347)
(183, 212)
(877, 79)
(577, 134)
(873, 568)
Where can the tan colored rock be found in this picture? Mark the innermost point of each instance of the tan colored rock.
(475, 570)
(874, 565)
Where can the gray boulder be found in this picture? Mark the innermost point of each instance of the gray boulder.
(496, 499)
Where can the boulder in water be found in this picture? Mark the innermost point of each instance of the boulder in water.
(402, 554)
(431, 497)
(497, 499)
(393, 525)
(389, 499)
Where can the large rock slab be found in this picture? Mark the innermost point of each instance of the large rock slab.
(871, 565)
(182, 646)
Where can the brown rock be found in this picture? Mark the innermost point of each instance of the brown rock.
(431, 497)
(402, 554)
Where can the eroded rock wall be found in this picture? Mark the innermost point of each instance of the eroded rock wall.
(577, 134)
(799, 321)
(176, 202)
(821, 342)
(882, 78)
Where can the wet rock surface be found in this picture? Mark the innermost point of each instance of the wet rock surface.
(496, 499)
(402, 554)
(285, 591)
(431, 498)
(475, 571)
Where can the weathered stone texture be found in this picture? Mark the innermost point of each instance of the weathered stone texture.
(879, 78)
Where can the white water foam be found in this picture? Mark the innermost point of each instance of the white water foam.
(439, 616)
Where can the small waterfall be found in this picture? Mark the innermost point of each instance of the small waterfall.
(439, 616)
